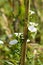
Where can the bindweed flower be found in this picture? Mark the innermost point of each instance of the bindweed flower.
(1, 42)
(32, 28)
(13, 42)
(32, 12)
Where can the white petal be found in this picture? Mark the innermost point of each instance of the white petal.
(31, 23)
(13, 42)
(1, 42)
(35, 51)
(18, 34)
(32, 12)
(28, 40)
(34, 24)
(32, 28)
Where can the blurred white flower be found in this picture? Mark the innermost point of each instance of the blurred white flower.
(18, 34)
(34, 24)
(35, 51)
(28, 40)
(32, 12)
(13, 42)
(32, 29)
(1, 42)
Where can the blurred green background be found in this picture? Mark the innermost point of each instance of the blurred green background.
(12, 13)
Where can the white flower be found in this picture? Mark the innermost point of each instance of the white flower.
(1, 42)
(28, 40)
(34, 24)
(32, 29)
(32, 12)
(35, 51)
(18, 34)
(13, 42)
